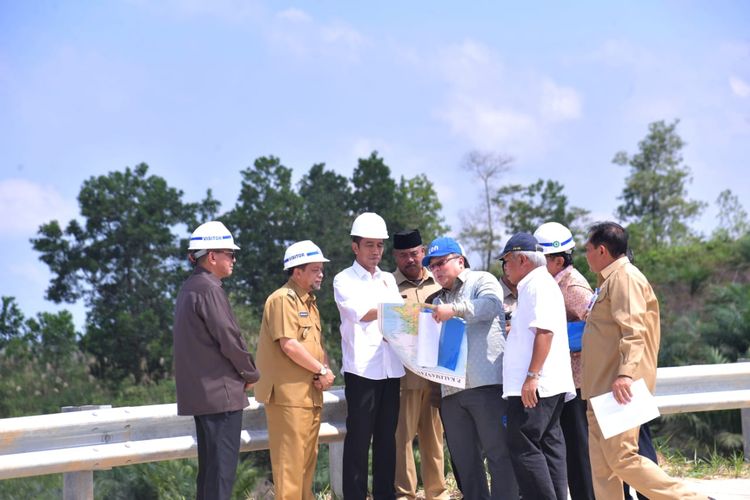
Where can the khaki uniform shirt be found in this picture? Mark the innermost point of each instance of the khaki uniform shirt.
(289, 313)
(622, 331)
(415, 292)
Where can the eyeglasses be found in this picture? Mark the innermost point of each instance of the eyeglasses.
(229, 253)
(437, 265)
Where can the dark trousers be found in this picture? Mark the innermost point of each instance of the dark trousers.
(645, 449)
(372, 414)
(575, 428)
(537, 448)
(218, 453)
(473, 422)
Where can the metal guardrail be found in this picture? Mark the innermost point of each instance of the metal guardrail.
(79, 442)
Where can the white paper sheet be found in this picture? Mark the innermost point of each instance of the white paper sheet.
(614, 418)
(428, 342)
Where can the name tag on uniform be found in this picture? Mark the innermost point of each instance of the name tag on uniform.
(304, 314)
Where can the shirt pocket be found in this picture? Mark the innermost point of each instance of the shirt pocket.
(305, 330)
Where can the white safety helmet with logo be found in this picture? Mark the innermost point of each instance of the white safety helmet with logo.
(302, 252)
(211, 235)
(554, 238)
(369, 225)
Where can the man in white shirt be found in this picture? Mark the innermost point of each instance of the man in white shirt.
(372, 371)
(537, 378)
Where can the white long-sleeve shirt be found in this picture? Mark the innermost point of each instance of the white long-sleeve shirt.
(363, 349)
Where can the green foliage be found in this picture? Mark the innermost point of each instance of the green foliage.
(264, 222)
(123, 262)
(703, 433)
(49, 487)
(374, 188)
(11, 322)
(418, 206)
(727, 323)
(733, 221)
(654, 197)
(525, 208)
(326, 219)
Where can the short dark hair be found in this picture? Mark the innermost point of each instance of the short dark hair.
(613, 236)
(356, 239)
(567, 257)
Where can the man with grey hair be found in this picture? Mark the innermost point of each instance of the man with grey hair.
(537, 378)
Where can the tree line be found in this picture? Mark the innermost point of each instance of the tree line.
(124, 257)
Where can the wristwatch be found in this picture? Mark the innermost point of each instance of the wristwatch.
(534, 374)
(323, 371)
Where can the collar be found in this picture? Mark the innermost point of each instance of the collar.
(303, 295)
(460, 279)
(361, 272)
(506, 289)
(400, 278)
(614, 266)
(559, 276)
(525, 280)
(199, 270)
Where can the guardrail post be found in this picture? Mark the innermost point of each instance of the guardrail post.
(79, 485)
(745, 420)
(745, 416)
(336, 468)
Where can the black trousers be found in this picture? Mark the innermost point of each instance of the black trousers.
(473, 422)
(575, 428)
(537, 448)
(645, 449)
(372, 414)
(218, 453)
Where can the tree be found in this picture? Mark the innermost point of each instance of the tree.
(479, 230)
(733, 222)
(654, 198)
(525, 208)
(374, 189)
(265, 220)
(326, 219)
(418, 206)
(11, 322)
(125, 263)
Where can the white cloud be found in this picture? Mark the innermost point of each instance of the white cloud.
(495, 106)
(739, 87)
(559, 103)
(294, 15)
(27, 205)
(298, 33)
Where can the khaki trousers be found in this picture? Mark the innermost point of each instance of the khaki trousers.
(293, 442)
(417, 417)
(616, 459)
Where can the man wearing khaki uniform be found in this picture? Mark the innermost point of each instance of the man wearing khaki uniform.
(621, 345)
(418, 413)
(295, 372)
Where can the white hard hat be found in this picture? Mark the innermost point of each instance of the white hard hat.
(554, 238)
(302, 252)
(211, 235)
(370, 225)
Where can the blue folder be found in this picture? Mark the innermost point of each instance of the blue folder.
(575, 335)
(451, 336)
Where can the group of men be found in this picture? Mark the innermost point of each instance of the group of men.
(528, 374)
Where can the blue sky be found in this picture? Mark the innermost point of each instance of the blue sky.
(199, 89)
